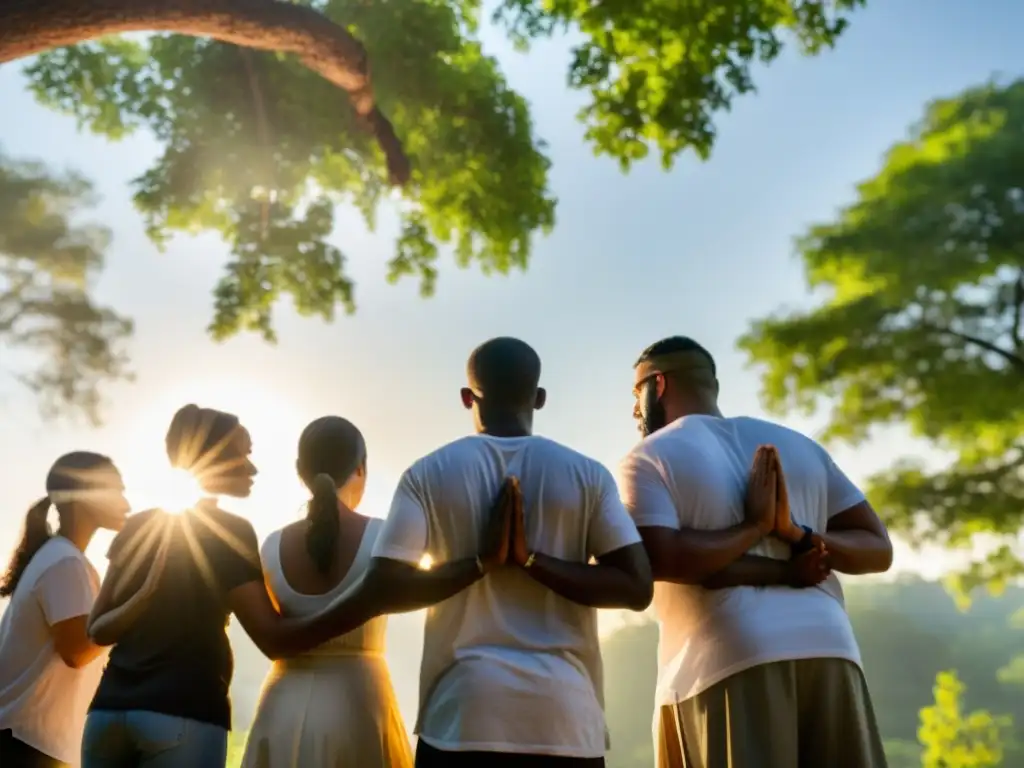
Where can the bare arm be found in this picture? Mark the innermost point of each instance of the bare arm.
(71, 642)
(857, 541)
(112, 614)
(750, 571)
(110, 619)
(389, 586)
(619, 579)
(855, 538)
(687, 556)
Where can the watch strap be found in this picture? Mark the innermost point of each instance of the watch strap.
(806, 542)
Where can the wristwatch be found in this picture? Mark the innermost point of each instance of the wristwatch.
(805, 543)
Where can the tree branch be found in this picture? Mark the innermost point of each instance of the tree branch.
(28, 27)
(1014, 360)
(1017, 332)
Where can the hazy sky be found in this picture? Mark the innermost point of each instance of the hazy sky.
(700, 251)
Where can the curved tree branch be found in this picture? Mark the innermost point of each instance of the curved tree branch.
(28, 27)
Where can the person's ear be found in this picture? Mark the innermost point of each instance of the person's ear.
(659, 385)
(540, 398)
(466, 395)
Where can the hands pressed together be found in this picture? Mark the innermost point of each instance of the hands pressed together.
(767, 508)
(504, 536)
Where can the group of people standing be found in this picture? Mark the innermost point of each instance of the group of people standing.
(758, 666)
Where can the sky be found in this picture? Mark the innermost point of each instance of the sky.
(701, 250)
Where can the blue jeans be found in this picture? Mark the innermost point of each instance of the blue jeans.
(139, 739)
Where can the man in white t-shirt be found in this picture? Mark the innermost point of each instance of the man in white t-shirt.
(758, 665)
(511, 671)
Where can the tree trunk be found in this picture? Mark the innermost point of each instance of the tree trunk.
(29, 27)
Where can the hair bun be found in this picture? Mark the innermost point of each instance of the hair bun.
(181, 436)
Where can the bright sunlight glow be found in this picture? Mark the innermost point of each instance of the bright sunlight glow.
(272, 420)
(426, 562)
(176, 490)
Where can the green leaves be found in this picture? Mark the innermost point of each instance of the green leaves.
(923, 279)
(952, 739)
(659, 71)
(46, 267)
(260, 150)
(250, 136)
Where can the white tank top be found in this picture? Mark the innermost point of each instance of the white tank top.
(367, 639)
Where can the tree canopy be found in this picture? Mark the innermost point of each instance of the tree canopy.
(47, 266)
(260, 147)
(922, 324)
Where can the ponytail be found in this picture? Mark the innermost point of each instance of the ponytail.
(36, 534)
(324, 526)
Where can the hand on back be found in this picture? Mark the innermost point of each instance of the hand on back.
(496, 546)
(767, 507)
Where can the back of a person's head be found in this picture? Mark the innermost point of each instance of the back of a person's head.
(504, 372)
(71, 479)
(331, 451)
(674, 345)
(196, 437)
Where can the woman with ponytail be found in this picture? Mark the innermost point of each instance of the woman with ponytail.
(49, 667)
(163, 701)
(334, 705)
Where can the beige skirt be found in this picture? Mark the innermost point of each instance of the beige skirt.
(328, 712)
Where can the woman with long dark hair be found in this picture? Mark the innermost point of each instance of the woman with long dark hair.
(334, 705)
(49, 667)
(163, 701)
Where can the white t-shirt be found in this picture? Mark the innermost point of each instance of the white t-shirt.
(508, 665)
(693, 474)
(42, 700)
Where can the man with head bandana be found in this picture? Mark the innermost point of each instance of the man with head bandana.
(758, 666)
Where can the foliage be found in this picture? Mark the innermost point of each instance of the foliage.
(658, 71)
(260, 150)
(47, 265)
(922, 323)
(954, 740)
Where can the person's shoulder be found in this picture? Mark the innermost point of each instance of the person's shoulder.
(229, 519)
(446, 457)
(137, 521)
(55, 551)
(763, 431)
(564, 452)
(217, 521)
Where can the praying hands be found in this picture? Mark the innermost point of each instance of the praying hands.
(767, 507)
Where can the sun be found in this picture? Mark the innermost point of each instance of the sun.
(174, 491)
(272, 420)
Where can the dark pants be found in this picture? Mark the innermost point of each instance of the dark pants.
(18, 754)
(428, 757)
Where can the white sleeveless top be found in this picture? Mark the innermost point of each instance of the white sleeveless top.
(367, 639)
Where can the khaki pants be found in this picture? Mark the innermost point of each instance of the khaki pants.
(811, 713)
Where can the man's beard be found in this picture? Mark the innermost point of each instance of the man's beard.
(652, 411)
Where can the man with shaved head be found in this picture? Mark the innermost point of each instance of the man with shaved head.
(758, 666)
(511, 673)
